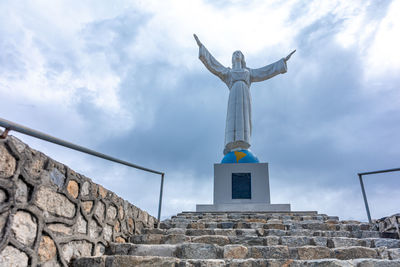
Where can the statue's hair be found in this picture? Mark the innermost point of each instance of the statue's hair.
(243, 61)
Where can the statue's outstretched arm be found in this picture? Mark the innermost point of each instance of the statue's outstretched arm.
(210, 62)
(271, 70)
(288, 56)
(197, 40)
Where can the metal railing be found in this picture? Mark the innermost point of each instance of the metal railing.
(360, 175)
(11, 126)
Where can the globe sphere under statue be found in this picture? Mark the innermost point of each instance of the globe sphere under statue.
(240, 156)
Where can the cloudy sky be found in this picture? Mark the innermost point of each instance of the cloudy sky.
(123, 78)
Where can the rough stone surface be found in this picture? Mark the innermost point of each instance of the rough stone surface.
(235, 252)
(99, 211)
(3, 221)
(51, 263)
(102, 191)
(373, 263)
(120, 260)
(60, 229)
(120, 240)
(111, 213)
(20, 146)
(146, 261)
(117, 226)
(57, 177)
(21, 194)
(389, 225)
(81, 225)
(150, 250)
(35, 166)
(47, 249)
(273, 252)
(354, 253)
(87, 206)
(338, 242)
(107, 232)
(313, 252)
(320, 241)
(85, 189)
(212, 239)
(24, 227)
(99, 250)
(54, 203)
(149, 239)
(11, 256)
(73, 188)
(389, 243)
(131, 225)
(3, 196)
(295, 241)
(394, 254)
(76, 249)
(176, 239)
(121, 212)
(7, 162)
(198, 251)
(94, 229)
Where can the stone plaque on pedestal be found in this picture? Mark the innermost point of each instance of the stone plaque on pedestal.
(242, 187)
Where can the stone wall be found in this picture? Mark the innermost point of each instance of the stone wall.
(389, 226)
(50, 214)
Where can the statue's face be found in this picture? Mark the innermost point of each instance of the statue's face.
(237, 56)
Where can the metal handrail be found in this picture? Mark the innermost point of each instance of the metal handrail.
(11, 126)
(363, 190)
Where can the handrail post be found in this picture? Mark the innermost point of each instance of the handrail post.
(160, 200)
(365, 197)
(5, 133)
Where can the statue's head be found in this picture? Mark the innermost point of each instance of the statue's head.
(238, 56)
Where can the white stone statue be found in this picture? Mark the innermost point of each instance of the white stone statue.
(238, 79)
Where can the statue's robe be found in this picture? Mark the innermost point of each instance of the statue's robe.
(238, 119)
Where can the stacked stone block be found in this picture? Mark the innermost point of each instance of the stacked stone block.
(389, 225)
(253, 239)
(50, 214)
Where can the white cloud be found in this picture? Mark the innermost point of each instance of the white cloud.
(46, 64)
(383, 56)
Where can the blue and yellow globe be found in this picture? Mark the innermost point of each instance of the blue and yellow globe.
(240, 156)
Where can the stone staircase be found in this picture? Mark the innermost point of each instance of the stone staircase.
(253, 239)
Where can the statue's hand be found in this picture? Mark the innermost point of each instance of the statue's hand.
(197, 40)
(288, 56)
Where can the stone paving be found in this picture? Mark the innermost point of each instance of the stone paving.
(253, 239)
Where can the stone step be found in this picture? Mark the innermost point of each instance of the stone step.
(141, 261)
(258, 218)
(265, 216)
(198, 232)
(275, 224)
(201, 224)
(265, 232)
(291, 241)
(247, 214)
(212, 251)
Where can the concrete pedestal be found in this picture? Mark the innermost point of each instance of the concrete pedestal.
(241, 187)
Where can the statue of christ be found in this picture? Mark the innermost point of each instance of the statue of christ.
(238, 79)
